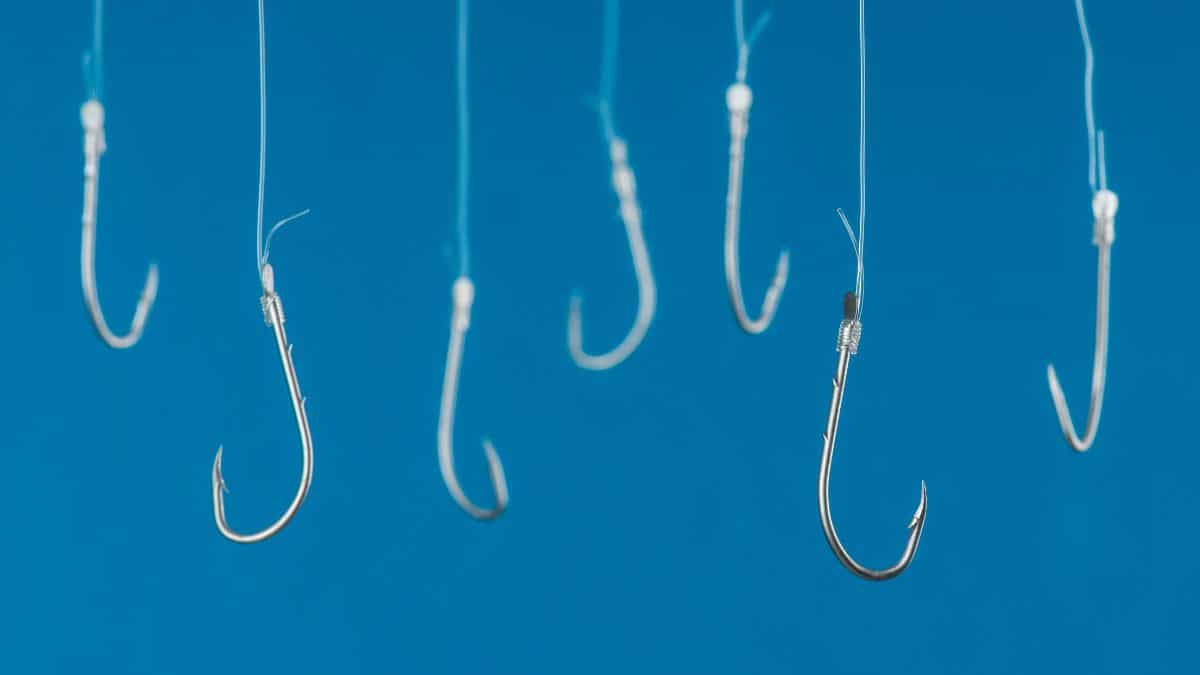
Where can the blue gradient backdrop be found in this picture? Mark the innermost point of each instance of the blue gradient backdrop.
(663, 515)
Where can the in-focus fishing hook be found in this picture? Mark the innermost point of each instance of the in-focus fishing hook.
(272, 307)
(849, 333)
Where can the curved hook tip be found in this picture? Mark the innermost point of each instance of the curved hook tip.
(499, 483)
(918, 519)
(1080, 445)
(218, 479)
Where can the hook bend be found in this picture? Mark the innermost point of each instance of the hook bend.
(625, 186)
(273, 313)
(1104, 208)
(738, 99)
(848, 337)
(464, 295)
(92, 117)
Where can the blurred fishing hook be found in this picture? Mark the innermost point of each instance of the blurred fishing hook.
(272, 307)
(463, 295)
(849, 334)
(1104, 212)
(94, 145)
(625, 186)
(738, 99)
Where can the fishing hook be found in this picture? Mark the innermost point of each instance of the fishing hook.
(272, 307)
(463, 293)
(849, 334)
(92, 117)
(738, 99)
(631, 214)
(1104, 211)
(1104, 208)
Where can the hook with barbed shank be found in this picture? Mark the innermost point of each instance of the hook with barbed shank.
(849, 333)
(272, 307)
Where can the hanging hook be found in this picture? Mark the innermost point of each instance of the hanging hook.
(738, 99)
(463, 293)
(1104, 208)
(631, 214)
(849, 334)
(272, 307)
(1104, 212)
(625, 185)
(94, 145)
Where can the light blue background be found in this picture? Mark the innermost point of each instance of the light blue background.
(663, 515)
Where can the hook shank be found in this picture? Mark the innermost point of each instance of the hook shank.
(92, 116)
(460, 321)
(273, 312)
(847, 346)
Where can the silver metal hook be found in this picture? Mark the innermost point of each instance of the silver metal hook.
(631, 214)
(1104, 207)
(849, 334)
(463, 293)
(738, 99)
(92, 117)
(1104, 212)
(273, 313)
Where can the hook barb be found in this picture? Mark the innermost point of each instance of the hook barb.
(848, 337)
(273, 311)
(464, 295)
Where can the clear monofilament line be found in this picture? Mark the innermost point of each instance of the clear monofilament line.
(95, 59)
(464, 139)
(1089, 70)
(608, 69)
(746, 43)
(262, 133)
(862, 147)
(857, 241)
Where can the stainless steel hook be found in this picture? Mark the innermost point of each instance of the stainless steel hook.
(92, 117)
(1104, 208)
(463, 293)
(847, 344)
(1104, 211)
(849, 333)
(625, 186)
(738, 99)
(272, 307)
